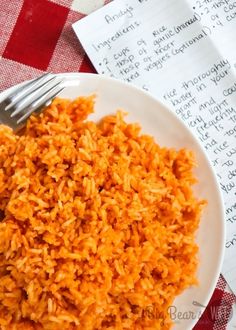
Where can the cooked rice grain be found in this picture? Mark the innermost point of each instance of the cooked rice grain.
(99, 223)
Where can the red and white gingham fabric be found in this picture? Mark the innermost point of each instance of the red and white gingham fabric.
(36, 36)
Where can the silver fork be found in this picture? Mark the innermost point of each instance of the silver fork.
(16, 108)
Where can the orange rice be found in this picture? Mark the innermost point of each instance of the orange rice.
(99, 223)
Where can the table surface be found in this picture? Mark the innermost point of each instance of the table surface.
(36, 37)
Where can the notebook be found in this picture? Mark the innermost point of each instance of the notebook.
(184, 53)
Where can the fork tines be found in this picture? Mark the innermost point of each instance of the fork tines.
(29, 98)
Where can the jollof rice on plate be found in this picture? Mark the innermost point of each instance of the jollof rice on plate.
(99, 222)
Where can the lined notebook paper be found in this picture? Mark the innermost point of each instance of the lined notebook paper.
(184, 53)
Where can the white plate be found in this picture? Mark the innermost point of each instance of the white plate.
(168, 130)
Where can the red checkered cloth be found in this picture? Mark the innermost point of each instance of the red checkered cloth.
(36, 36)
